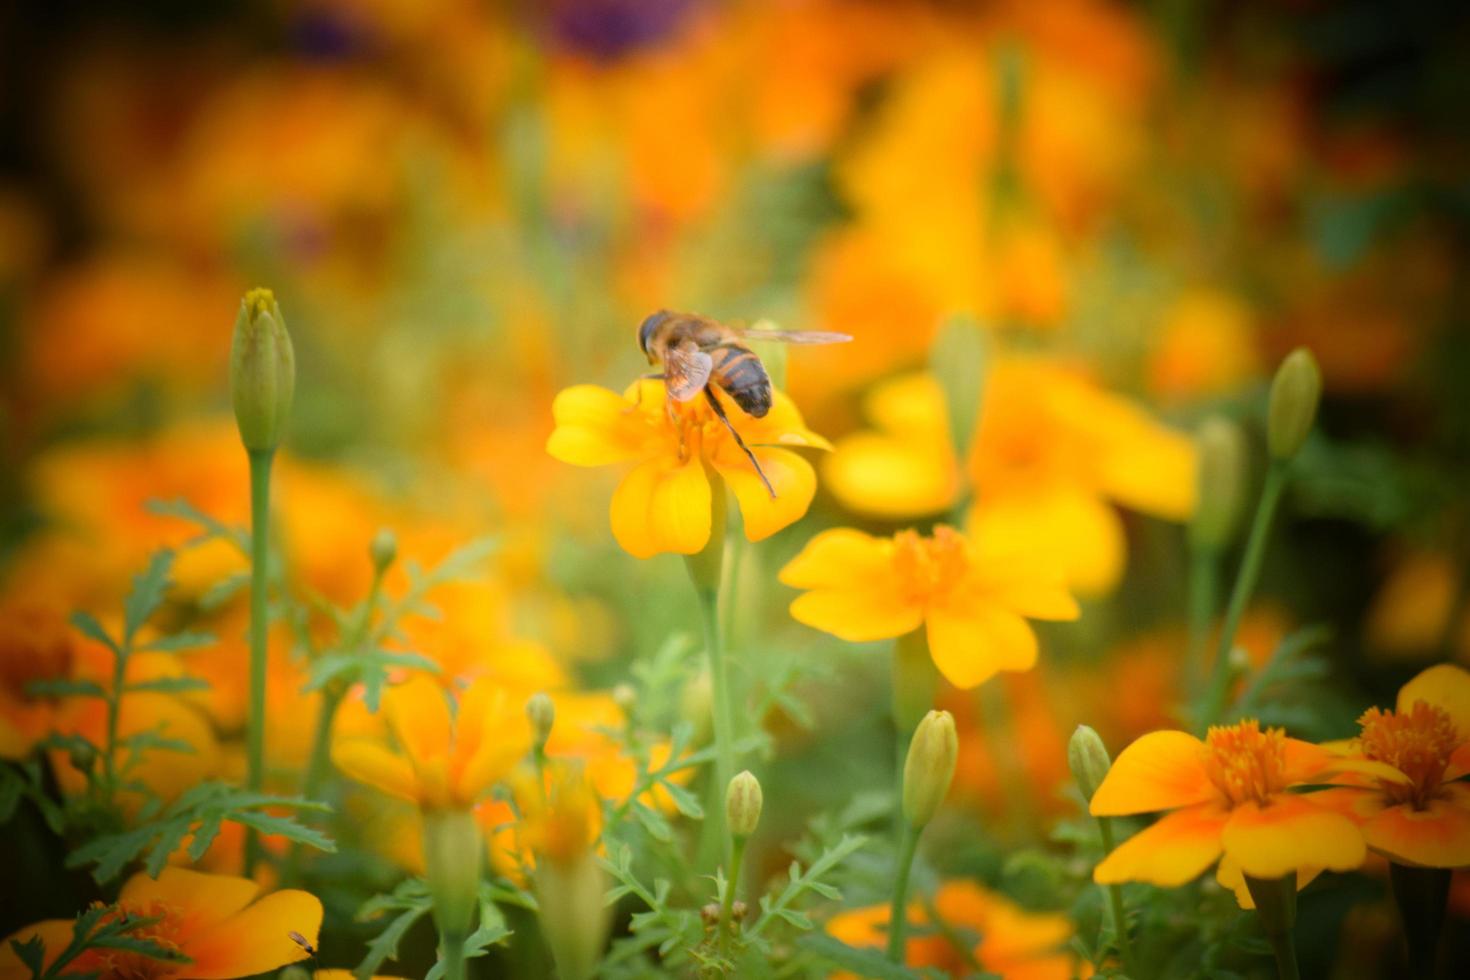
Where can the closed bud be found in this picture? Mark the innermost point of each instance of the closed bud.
(625, 696)
(1295, 393)
(262, 371)
(1222, 483)
(83, 756)
(383, 549)
(929, 768)
(1088, 759)
(743, 804)
(542, 712)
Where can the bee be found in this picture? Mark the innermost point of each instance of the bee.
(302, 941)
(697, 352)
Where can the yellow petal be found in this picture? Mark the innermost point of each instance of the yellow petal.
(1289, 834)
(841, 557)
(783, 426)
(1176, 849)
(1067, 527)
(885, 476)
(792, 477)
(1150, 468)
(970, 645)
(857, 615)
(494, 735)
(1229, 875)
(1436, 837)
(595, 427)
(1159, 771)
(1444, 686)
(373, 765)
(255, 940)
(418, 712)
(662, 505)
(204, 899)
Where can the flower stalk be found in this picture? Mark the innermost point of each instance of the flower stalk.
(705, 573)
(1421, 895)
(1275, 900)
(260, 490)
(1088, 759)
(452, 862)
(927, 774)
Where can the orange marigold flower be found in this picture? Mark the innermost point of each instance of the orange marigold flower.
(664, 503)
(211, 919)
(1419, 812)
(972, 601)
(35, 645)
(1229, 794)
(445, 762)
(1014, 943)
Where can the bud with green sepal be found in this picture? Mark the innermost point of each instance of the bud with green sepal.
(1295, 394)
(262, 371)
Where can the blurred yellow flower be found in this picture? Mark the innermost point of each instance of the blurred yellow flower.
(972, 600)
(1052, 453)
(443, 762)
(1206, 346)
(214, 920)
(1013, 943)
(664, 503)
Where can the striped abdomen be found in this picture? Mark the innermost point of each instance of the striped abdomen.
(740, 373)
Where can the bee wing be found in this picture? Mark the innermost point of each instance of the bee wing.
(687, 371)
(796, 336)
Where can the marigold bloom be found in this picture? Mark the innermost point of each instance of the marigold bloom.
(444, 762)
(1228, 794)
(972, 601)
(211, 919)
(1421, 817)
(1052, 454)
(35, 645)
(1014, 943)
(664, 502)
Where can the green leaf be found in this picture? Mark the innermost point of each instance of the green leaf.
(223, 591)
(62, 688)
(179, 641)
(863, 962)
(12, 787)
(684, 800)
(270, 823)
(32, 952)
(210, 527)
(169, 685)
(385, 945)
(150, 586)
(86, 624)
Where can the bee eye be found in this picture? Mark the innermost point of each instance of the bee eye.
(645, 332)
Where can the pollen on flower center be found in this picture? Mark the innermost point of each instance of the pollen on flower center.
(1418, 743)
(927, 566)
(1245, 763)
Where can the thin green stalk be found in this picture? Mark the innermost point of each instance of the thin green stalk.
(1115, 901)
(260, 489)
(1204, 585)
(451, 954)
(1244, 588)
(1421, 895)
(899, 911)
(1275, 900)
(321, 743)
(719, 675)
(737, 858)
(114, 709)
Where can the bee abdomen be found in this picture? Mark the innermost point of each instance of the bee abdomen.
(740, 373)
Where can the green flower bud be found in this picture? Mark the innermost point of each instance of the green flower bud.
(1222, 483)
(1088, 759)
(542, 712)
(574, 918)
(1295, 392)
(83, 756)
(930, 768)
(743, 804)
(262, 371)
(383, 549)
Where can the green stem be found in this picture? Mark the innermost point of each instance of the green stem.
(737, 858)
(1115, 901)
(1421, 895)
(899, 911)
(1275, 900)
(1204, 585)
(1244, 588)
(114, 710)
(260, 491)
(719, 678)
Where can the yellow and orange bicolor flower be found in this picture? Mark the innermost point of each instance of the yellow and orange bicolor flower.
(664, 503)
(972, 602)
(1014, 943)
(444, 761)
(214, 920)
(1228, 795)
(1420, 813)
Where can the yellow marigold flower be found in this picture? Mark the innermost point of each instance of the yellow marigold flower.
(444, 762)
(664, 502)
(1227, 795)
(1420, 814)
(211, 919)
(1014, 943)
(1052, 454)
(972, 601)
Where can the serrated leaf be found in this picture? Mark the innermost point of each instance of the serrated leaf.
(658, 828)
(150, 586)
(11, 787)
(863, 962)
(270, 823)
(796, 919)
(385, 944)
(684, 800)
(63, 688)
(204, 836)
(86, 624)
(31, 952)
(140, 945)
(223, 591)
(178, 641)
(169, 685)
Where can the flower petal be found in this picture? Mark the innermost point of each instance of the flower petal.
(1068, 527)
(204, 899)
(884, 476)
(418, 713)
(792, 477)
(1176, 849)
(373, 765)
(857, 615)
(662, 505)
(1291, 833)
(969, 646)
(257, 939)
(1444, 686)
(1436, 837)
(494, 734)
(1229, 875)
(595, 427)
(1159, 771)
(841, 557)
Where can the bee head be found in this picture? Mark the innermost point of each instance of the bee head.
(649, 327)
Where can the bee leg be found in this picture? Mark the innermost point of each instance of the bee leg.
(714, 403)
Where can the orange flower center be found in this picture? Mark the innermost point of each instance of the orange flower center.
(33, 647)
(1417, 743)
(929, 566)
(1246, 764)
(118, 964)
